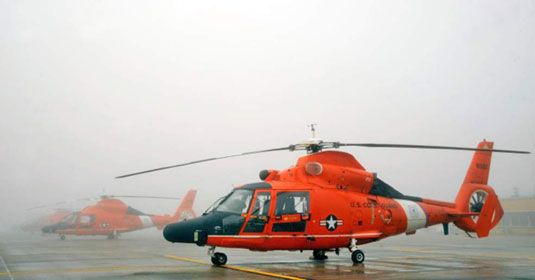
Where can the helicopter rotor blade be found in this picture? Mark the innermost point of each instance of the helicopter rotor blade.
(288, 148)
(406, 146)
(317, 145)
(144, 196)
(60, 203)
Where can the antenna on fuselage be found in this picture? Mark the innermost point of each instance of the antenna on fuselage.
(313, 129)
(312, 145)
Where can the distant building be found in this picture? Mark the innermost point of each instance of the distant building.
(519, 217)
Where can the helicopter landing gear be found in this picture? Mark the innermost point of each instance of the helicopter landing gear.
(218, 258)
(319, 255)
(62, 237)
(357, 256)
(114, 235)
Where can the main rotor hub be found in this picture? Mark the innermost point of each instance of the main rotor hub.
(313, 145)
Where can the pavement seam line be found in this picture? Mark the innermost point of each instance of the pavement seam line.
(428, 251)
(83, 270)
(7, 269)
(237, 268)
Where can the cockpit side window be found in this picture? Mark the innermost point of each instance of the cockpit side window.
(261, 205)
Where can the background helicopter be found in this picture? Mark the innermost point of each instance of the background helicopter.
(328, 201)
(111, 217)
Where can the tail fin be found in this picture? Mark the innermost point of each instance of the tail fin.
(478, 172)
(185, 209)
(478, 198)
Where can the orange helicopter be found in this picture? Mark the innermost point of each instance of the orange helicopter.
(328, 201)
(111, 217)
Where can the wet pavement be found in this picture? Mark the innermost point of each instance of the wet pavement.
(145, 255)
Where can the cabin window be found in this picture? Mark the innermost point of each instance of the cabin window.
(292, 203)
(87, 219)
(292, 212)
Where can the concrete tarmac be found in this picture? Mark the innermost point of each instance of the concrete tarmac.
(145, 255)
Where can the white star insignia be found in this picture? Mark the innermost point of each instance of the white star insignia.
(331, 223)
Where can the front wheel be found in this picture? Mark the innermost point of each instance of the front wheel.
(357, 256)
(219, 259)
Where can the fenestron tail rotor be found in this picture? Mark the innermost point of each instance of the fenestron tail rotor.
(315, 145)
(476, 202)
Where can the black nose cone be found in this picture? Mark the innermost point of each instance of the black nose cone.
(184, 231)
(179, 232)
(49, 229)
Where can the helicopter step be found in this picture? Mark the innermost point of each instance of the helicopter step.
(319, 255)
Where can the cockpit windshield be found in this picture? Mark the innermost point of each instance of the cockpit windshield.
(70, 219)
(237, 202)
(215, 204)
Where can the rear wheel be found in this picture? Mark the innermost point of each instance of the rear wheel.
(62, 237)
(357, 256)
(219, 258)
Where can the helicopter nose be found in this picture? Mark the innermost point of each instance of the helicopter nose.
(179, 232)
(49, 229)
(184, 231)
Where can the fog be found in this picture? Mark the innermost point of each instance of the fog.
(90, 90)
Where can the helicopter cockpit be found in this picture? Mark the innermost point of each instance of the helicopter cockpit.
(224, 217)
(67, 222)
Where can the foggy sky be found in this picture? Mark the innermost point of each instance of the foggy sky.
(94, 89)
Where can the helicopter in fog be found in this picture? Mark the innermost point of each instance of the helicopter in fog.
(111, 217)
(329, 201)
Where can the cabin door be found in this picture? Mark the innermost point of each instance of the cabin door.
(258, 217)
